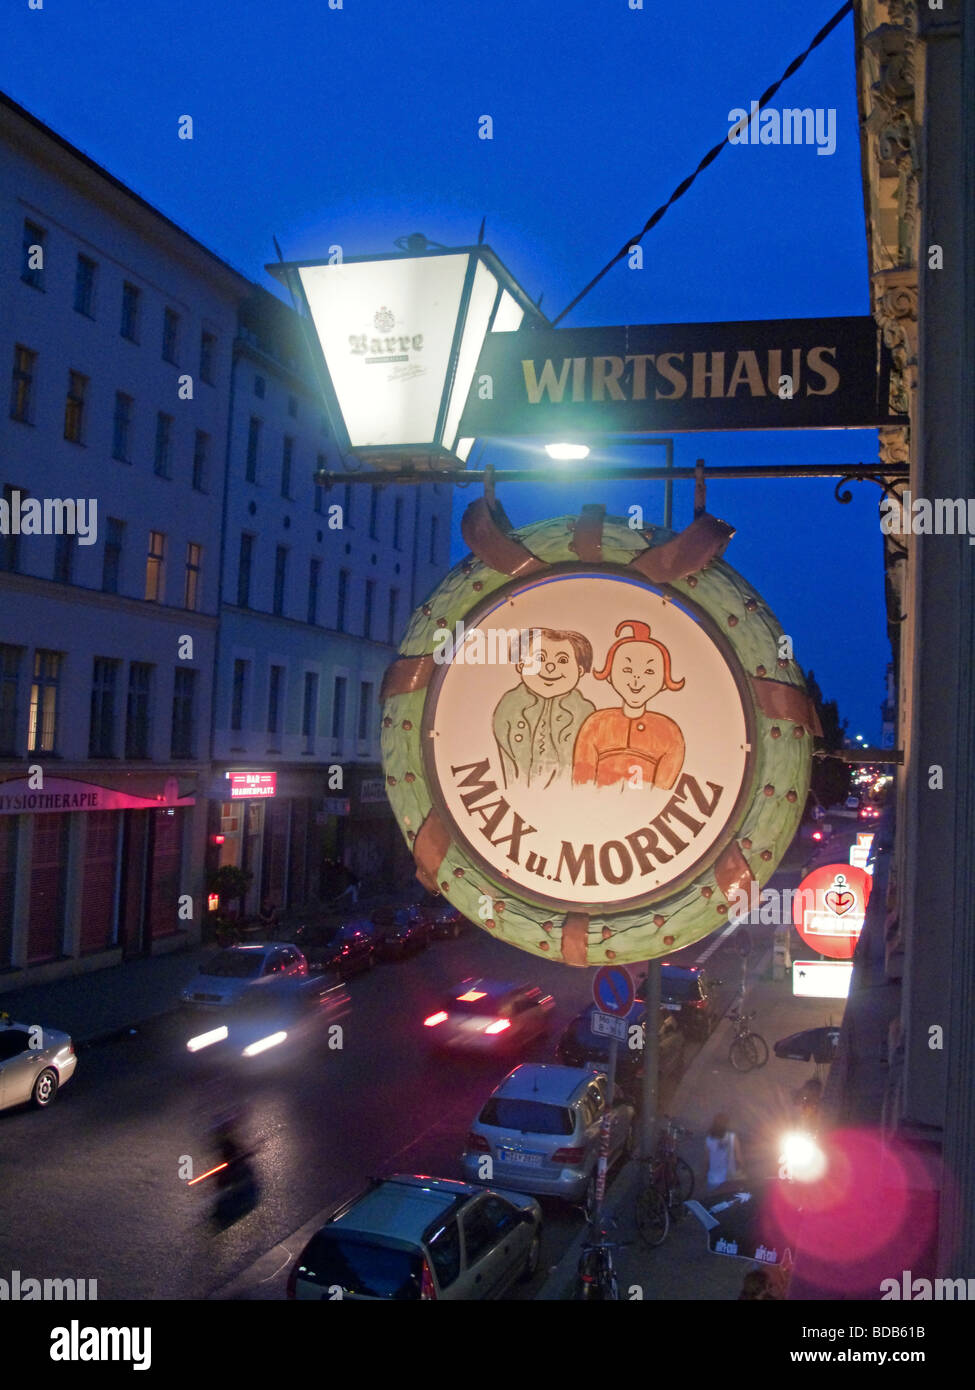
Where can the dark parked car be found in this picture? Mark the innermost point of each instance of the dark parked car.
(400, 933)
(346, 949)
(687, 991)
(579, 1046)
(446, 923)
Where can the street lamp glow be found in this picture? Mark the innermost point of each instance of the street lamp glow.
(567, 451)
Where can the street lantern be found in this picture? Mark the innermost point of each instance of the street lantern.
(397, 339)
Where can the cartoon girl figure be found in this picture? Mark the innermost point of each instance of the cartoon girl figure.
(612, 742)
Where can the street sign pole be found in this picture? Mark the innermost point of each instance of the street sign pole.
(605, 1129)
(651, 1059)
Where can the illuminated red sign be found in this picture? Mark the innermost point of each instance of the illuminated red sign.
(829, 907)
(248, 784)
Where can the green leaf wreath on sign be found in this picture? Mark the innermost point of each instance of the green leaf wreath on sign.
(591, 738)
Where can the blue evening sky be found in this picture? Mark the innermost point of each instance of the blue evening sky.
(357, 125)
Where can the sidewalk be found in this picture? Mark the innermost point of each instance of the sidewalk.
(96, 1006)
(760, 1108)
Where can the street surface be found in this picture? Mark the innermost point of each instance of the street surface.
(92, 1188)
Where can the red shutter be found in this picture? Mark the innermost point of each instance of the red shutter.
(98, 888)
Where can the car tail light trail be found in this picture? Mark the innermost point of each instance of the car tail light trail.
(498, 1026)
(478, 1143)
(428, 1289)
(434, 1019)
(568, 1155)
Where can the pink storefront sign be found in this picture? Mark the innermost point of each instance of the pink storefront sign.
(19, 797)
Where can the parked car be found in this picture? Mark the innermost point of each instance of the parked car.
(688, 992)
(282, 1022)
(403, 933)
(346, 947)
(579, 1046)
(490, 1016)
(410, 1237)
(232, 972)
(35, 1062)
(540, 1127)
(446, 923)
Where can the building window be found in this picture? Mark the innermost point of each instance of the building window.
(392, 629)
(130, 312)
(9, 538)
(194, 563)
(122, 428)
(112, 562)
(347, 505)
(32, 265)
(374, 513)
(184, 733)
(343, 600)
(434, 538)
(253, 440)
(287, 453)
(365, 710)
(244, 570)
(22, 385)
(101, 735)
(398, 524)
(315, 574)
(370, 605)
(338, 708)
(170, 336)
(74, 408)
(280, 575)
(137, 710)
(309, 711)
(319, 495)
(293, 407)
(208, 353)
(259, 387)
(237, 696)
(10, 659)
(274, 687)
(84, 287)
(43, 728)
(164, 445)
(201, 452)
(155, 567)
(64, 553)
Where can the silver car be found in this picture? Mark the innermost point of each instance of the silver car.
(237, 970)
(411, 1237)
(539, 1132)
(34, 1063)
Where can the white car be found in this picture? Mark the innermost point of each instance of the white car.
(231, 973)
(35, 1062)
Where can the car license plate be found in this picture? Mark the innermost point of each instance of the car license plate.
(515, 1156)
(672, 1008)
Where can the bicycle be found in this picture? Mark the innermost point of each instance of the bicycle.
(596, 1273)
(748, 1049)
(668, 1184)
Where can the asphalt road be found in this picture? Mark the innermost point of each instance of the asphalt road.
(96, 1187)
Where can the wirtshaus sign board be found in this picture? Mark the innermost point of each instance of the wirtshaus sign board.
(785, 374)
(592, 739)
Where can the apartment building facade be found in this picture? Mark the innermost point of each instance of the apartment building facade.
(161, 409)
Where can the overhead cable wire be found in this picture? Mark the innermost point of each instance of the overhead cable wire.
(711, 156)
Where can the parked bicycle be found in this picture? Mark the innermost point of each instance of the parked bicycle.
(668, 1183)
(597, 1279)
(748, 1049)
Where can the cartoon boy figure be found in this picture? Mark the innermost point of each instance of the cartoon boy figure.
(536, 724)
(612, 742)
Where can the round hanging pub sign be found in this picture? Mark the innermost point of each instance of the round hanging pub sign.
(595, 737)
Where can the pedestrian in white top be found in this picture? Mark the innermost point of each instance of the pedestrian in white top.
(724, 1153)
